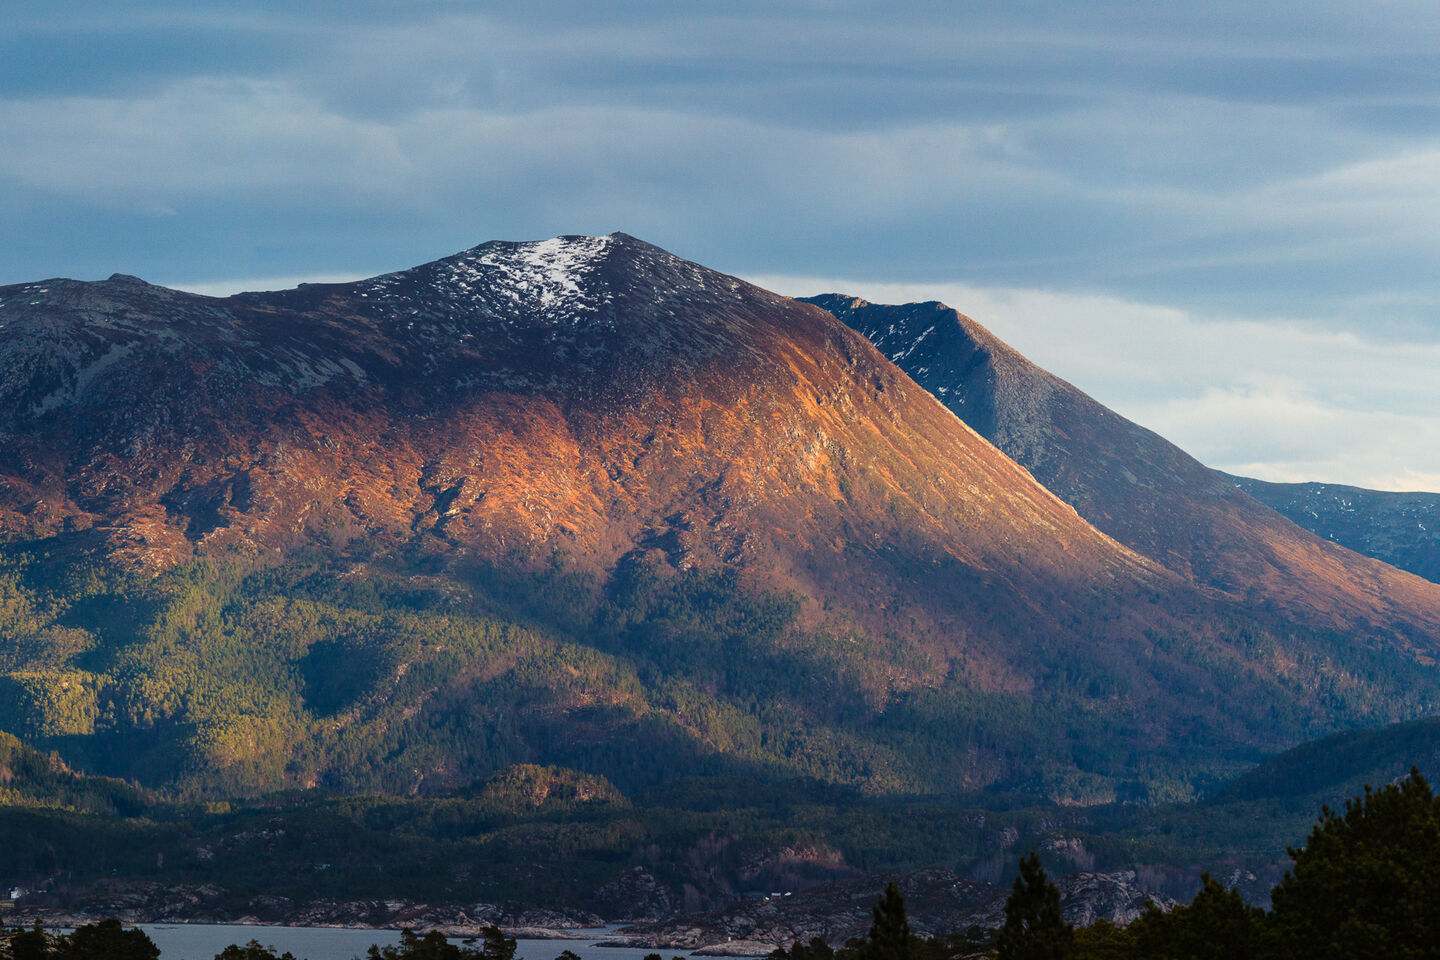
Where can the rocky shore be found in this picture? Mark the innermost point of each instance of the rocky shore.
(207, 903)
(938, 901)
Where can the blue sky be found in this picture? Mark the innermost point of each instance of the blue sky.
(1221, 218)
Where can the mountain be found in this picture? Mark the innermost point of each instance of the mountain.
(1401, 529)
(580, 502)
(1133, 484)
(591, 395)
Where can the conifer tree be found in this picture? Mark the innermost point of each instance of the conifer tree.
(1216, 925)
(1034, 927)
(32, 944)
(107, 940)
(1367, 882)
(252, 950)
(817, 949)
(889, 937)
(494, 945)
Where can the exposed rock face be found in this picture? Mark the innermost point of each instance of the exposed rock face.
(834, 912)
(1085, 897)
(1132, 483)
(591, 393)
(1402, 529)
(636, 897)
(936, 901)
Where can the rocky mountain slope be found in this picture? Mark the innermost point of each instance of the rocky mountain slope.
(591, 395)
(1132, 483)
(583, 502)
(1401, 529)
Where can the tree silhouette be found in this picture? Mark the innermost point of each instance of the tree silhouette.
(494, 945)
(33, 944)
(817, 949)
(1367, 882)
(1034, 927)
(1216, 925)
(107, 940)
(252, 950)
(432, 946)
(889, 937)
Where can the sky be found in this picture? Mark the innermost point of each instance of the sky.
(1221, 219)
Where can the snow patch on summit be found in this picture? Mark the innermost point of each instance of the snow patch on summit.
(546, 272)
(539, 280)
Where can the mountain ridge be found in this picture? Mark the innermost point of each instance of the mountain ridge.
(1132, 483)
(1398, 528)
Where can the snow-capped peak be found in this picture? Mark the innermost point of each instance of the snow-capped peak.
(541, 280)
(545, 272)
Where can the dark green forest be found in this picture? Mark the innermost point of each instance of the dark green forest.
(548, 835)
(223, 681)
(1365, 883)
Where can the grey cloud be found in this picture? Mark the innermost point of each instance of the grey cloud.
(1263, 160)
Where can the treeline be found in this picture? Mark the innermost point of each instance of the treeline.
(33, 779)
(106, 940)
(1365, 884)
(551, 835)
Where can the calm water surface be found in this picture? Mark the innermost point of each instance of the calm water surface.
(201, 941)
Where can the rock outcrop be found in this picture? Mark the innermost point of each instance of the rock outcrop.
(937, 902)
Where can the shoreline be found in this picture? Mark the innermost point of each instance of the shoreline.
(607, 937)
(66, 920)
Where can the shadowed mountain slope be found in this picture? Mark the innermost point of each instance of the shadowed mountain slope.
(581, 502)
(1132, 483)
(1335, 768)
(1401, 529)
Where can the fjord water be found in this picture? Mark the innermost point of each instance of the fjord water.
(202, 941)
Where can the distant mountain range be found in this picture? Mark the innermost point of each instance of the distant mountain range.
(581, 502)
(1401, 529)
